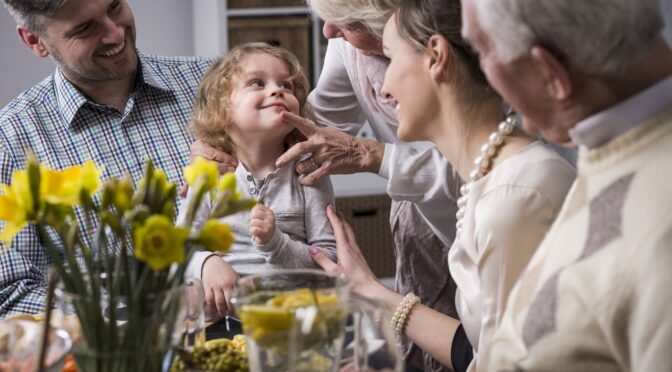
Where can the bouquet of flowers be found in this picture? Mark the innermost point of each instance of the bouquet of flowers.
(122, 262)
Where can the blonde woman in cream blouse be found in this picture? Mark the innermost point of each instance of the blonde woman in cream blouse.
(514, 185)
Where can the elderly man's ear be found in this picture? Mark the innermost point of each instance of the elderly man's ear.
(32, 41)
(555, 74)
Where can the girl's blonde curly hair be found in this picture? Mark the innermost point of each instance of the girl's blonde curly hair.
(213, 115)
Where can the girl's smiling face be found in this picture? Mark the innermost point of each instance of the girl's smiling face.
(263, 89)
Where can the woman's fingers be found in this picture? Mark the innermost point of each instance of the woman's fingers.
(339, 233)
(325, 262)
(315, 175)
(220, 302)
(306, 126)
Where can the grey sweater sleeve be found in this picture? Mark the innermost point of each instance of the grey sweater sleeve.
(283, 251)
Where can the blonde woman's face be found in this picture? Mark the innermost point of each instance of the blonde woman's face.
(263, 90)
(357, 35)
(408, 82)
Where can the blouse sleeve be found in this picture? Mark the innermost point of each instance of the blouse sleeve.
(334, 100)
(511, 223)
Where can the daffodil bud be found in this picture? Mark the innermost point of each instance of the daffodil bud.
(202, 168)
(216, 236)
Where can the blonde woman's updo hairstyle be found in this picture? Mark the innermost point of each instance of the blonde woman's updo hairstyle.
(212, 115)
(370, 14)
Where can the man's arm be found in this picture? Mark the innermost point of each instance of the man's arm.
(23, 264)
(22, 275)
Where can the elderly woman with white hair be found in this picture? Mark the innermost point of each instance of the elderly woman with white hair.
(347, 95)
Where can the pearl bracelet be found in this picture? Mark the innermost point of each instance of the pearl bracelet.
(400, 317)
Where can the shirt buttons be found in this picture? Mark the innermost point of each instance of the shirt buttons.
(253, 190)
(249, 178)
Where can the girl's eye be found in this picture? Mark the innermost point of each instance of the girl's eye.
(286, 85)
(256, 83)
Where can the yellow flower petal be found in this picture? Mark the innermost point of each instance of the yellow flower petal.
(158, 243)
(216, 236)
(227, 182)
(10, 231)
(90, 177)
(64, 186)
(202, 168)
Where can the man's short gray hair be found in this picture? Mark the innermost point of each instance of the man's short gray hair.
(602, 37)
(372, 14)
(32, 13)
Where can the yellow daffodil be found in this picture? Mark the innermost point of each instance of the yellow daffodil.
(202, 168)
(216, 236)
(16, 205)
(227, 182)
(14, 217)
(19, 191)
(161, 180)
(158, 243)
(64, 186)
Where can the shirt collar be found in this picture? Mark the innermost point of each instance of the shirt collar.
(70, 99)
(601, 128)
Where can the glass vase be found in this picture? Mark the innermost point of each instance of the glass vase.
(293, 320)
(129, 334)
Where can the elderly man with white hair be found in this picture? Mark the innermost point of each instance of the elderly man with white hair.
(595, 74)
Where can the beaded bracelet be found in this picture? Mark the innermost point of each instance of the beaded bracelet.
(400, 317)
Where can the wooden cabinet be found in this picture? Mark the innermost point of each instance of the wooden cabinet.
(369, 217)
(290, 32)
(220, 24)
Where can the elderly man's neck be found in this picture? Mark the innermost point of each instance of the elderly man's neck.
(113, 93)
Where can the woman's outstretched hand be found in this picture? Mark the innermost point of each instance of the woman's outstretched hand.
(333, 152)
(351, 262)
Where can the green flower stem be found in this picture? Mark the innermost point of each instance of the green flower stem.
(70, 283)
(195, 202)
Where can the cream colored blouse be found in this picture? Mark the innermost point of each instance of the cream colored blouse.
(507, 215)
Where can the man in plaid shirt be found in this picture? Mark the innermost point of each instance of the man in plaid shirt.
(105, 102)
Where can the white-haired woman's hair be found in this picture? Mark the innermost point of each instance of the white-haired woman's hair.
(602, 37)
(372, 14)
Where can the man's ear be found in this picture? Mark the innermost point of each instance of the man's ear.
(33, 41)
(438, 56)
(555, 74)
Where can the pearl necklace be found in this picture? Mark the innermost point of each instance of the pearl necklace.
(482, 164)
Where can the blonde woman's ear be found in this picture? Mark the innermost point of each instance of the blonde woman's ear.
(439, 56)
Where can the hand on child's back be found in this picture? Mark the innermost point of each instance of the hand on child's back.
(262, 224)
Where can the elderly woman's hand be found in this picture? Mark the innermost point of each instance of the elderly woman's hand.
(351, 262)
(333, 152)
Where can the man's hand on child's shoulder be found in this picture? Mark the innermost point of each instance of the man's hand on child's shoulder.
(262, 224)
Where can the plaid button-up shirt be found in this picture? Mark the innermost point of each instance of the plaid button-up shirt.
(63, 128)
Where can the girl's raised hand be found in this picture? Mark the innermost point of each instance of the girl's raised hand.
(262, 224)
